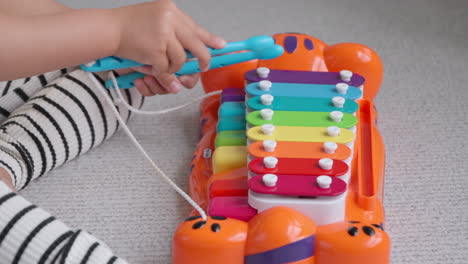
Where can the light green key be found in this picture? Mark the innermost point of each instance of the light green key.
(231, 138)
(303, 119)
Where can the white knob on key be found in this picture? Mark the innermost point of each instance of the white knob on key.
(268, 129)
(267, 99)
(338, 101)
(270, 162)
(263, 72)
(342, 88)
(346, 75)
(324, 181)
(269, 145)
(330, 147)
(264, 85)
(267, 114)
(336, 116)
(333, 131)
(326, 164)
(270, 180)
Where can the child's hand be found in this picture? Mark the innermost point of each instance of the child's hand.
(157, 34)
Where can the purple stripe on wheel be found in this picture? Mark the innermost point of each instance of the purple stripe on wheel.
(290, 44)
(296, 251)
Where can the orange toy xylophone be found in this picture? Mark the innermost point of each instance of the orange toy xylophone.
(289, 168)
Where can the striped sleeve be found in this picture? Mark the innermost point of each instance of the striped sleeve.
(15, 93)
(60, 122)
(30, 235)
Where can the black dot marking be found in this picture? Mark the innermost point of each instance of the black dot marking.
(354, 222)
(192, 218)
(217, 217)
(215, 228)
(353, 231)
(368, 230)
(308, 44)
(199, 224)
(379, 226)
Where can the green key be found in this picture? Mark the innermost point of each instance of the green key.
(231, 138)
(304, 119)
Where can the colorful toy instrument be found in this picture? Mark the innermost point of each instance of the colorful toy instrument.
(290, 163)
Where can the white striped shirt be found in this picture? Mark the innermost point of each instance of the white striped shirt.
(47, 120)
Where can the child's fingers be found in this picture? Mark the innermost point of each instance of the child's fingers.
(160, 63)
(143, 88)
(189, 81)
(210, 39)
(153, 85)
(177, 56)
(169, 82)
(146, 69)
(198, 49)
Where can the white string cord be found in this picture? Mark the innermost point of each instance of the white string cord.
(108, 99)
(158, 112)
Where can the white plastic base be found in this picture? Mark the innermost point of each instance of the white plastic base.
(322, 210)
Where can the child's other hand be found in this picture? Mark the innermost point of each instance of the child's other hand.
(149, 85)
(157, 34)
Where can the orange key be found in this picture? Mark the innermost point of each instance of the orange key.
(296, 149)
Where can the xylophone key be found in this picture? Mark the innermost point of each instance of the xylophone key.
(303, 90)
(284, 103)
(284, 76)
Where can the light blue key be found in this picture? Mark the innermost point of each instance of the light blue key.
(302, 90)
(231, 109)
(231, 123)
(303, 104)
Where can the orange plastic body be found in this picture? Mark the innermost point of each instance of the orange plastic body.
(352, 242)
(359, 239)
(359, 59)
(229, 76)
(301, 58)
(267, 231)
(213, 241)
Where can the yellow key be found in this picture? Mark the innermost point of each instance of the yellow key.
(227, 158)
(305, 134)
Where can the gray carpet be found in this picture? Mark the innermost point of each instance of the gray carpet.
(422, 115)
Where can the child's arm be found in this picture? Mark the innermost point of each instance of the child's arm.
(154, 33)
(37, 44)
(28, 7)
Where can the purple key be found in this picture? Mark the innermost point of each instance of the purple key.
(233, 91)
(233, 95)
(282, 76)
(232, 98)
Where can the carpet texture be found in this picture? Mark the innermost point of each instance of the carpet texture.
(113, 193)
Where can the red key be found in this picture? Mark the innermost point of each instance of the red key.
(235, 187)
(298, 167)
